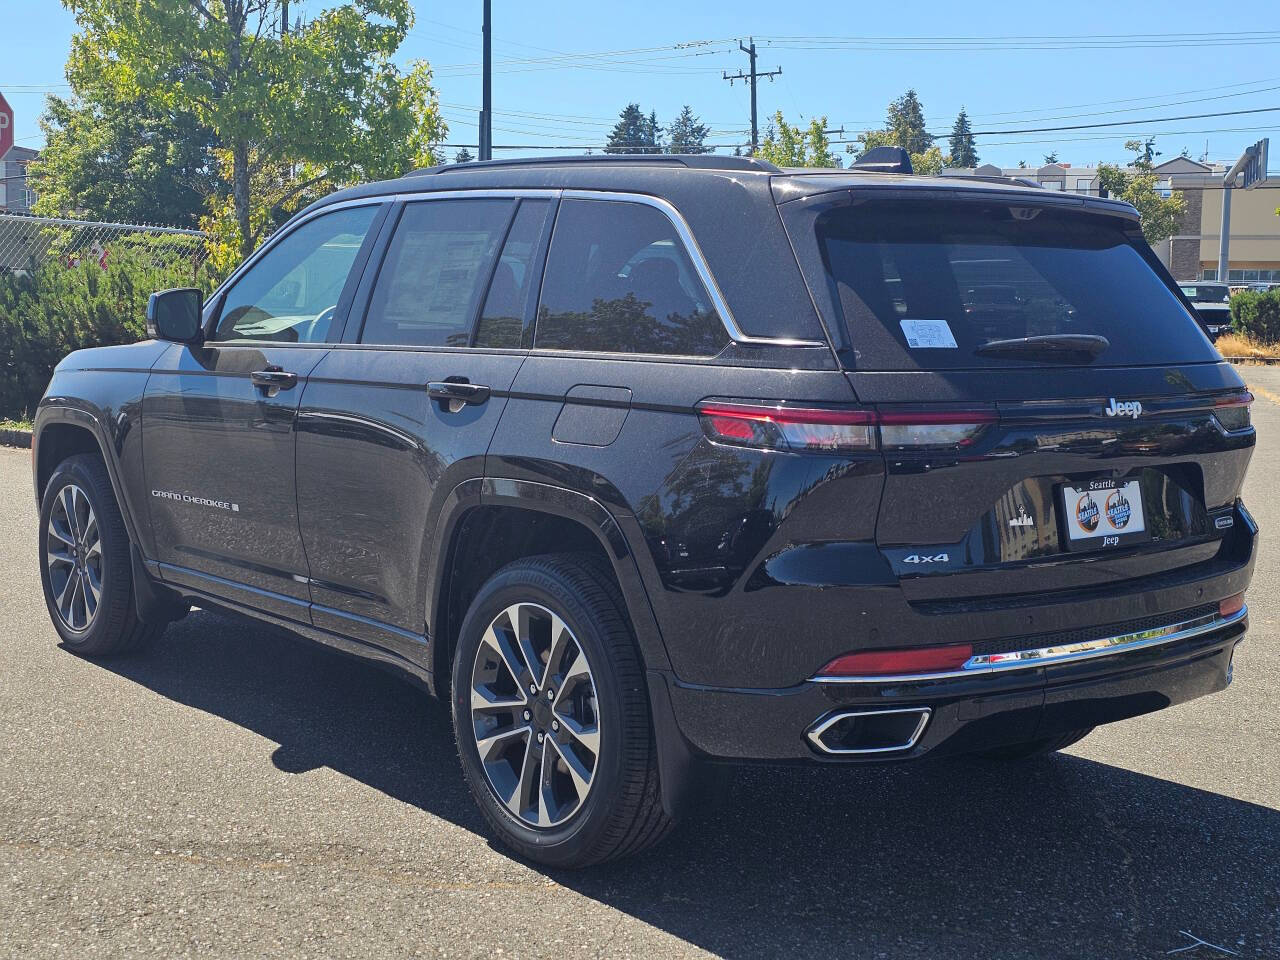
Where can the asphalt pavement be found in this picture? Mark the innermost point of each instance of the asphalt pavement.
(238, 793)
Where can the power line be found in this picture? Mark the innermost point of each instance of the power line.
(1114, 123)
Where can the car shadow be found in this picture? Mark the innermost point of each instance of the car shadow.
(1065, 857)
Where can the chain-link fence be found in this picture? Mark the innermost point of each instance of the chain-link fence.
(26, 243)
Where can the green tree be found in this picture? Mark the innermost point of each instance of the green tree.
(686, 134)
(964, 150)
(463, 156)
(117, 160)
(1137, 185)
(1051, 157)
(795, 146)
(905, 120)
(294, 114)
(634, 132)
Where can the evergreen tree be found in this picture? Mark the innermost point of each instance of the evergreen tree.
(1051, 157)
(964, 152)
(686, 134)
(463, 156)
(634, 132)
(905, 121)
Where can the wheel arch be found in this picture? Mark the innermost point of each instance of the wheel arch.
(487, 523)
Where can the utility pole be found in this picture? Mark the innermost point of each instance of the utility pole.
(751, 78)
(284, 17)
(486, 95)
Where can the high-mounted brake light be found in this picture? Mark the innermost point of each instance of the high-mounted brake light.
(886, 663)
(1232, 413)
(796, 428)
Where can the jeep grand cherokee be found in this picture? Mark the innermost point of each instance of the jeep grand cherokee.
(647, 464)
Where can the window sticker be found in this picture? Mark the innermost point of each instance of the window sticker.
(928, 334)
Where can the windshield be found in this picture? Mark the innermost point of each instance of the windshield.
(925, 285)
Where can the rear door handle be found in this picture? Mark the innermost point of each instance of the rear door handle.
(273, 379)
(454, 394)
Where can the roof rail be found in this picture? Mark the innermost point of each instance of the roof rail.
(986, 178)
(700, 161)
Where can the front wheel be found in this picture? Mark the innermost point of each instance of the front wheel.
(84, 562)
(551, 716)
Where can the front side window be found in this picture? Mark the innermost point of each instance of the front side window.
(436, 269)
(618, 280)
(291, 293)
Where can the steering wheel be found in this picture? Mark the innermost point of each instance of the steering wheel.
(325, 316)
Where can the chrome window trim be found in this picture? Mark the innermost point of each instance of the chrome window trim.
(699, 261)
(983, 664)
(815, 732)
(677, 220)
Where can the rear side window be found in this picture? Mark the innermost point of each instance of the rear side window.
(619, 280)
(928, 285)
(435, 271)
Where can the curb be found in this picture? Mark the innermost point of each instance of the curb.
(15, 438)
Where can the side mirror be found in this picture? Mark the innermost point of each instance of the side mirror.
(175, 315)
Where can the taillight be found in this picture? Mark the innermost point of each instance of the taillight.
(886, 663)
(781, 427)
(1232, 413)
(798, 428)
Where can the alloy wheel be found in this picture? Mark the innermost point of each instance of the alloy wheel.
(73, 546)
(534, 715)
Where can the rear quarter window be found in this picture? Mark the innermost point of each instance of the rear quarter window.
(619, 280)
(922, 285)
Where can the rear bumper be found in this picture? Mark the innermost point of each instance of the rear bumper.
(915, 717)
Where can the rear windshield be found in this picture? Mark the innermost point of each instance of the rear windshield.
(1207, 292)
(924, 285)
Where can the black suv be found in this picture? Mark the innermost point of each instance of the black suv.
(648, 464)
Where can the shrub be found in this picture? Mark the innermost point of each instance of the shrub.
(59, 307)
(1257, 315)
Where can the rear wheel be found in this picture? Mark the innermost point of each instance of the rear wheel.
(84, 562)
(1037, 748)
(551, 716)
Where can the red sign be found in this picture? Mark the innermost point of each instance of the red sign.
(6, 126)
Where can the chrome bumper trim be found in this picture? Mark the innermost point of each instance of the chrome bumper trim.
(1061, 653)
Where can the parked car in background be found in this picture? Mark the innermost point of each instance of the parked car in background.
(1212, 302)
(651, 464)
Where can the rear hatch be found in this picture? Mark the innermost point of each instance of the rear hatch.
(1051, 415)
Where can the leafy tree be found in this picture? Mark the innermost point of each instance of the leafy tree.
(964, 151)
(686, 134)
(1051, 157)
(321, 106)
(463, 156)
(117, 160)
(634, 132)
(1137, 185)
(789, 146)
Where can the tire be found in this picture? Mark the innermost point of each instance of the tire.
(1015, 752)
(92, 551)
(557, 822)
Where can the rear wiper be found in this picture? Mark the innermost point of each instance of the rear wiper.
(1057, 346)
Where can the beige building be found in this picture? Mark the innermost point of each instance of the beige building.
(1192, 253)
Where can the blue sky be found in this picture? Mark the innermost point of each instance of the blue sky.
(1090, 62)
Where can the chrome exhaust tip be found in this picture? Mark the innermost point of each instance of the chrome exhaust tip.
(853, 732)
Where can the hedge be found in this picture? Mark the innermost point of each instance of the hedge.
(59, 307)
(1257, 316)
